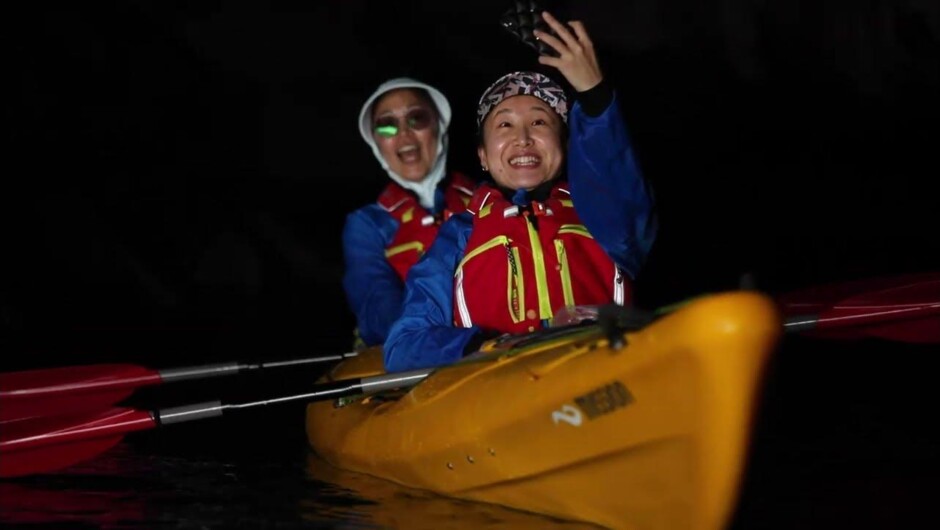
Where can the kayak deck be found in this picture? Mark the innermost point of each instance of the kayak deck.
(653, 435)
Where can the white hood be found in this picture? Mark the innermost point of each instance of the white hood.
(424, 189)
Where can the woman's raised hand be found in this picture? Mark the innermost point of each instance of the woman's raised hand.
(577, 60)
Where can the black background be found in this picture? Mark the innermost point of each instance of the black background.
(178, 173)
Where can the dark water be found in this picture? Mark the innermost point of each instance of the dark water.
(203, 479)
(843, 440)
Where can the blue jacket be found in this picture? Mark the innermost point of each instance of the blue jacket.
(610, 196)
(374, 290)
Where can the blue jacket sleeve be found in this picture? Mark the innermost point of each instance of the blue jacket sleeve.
(374, 291)
(608, 191)
(425, 335)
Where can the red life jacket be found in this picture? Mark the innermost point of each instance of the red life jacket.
(417, 228)
(522, 265)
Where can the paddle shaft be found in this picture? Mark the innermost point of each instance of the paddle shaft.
(224, 369)
(321, 391)
(903, 308)
(24, 384)
(75, 389)
(798, 323)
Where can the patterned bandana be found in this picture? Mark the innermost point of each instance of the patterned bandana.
(523, 84)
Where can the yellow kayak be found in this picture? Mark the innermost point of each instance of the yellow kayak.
(650, 435)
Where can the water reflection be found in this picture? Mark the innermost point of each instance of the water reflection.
(376, 503)
(140, 486)
(105, 493)
(104, 507)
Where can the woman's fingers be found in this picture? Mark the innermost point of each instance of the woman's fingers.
(552, 41)
(570, 40)
(581, 33)
(576, 60)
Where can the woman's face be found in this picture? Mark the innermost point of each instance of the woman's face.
(522, 144)
(404, 126)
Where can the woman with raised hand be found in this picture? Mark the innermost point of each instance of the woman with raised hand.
(567, 220)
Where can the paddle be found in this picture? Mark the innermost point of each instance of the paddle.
(40, 445)
(74, 389)
(902, 308)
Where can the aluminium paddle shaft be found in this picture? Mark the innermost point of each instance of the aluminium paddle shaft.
(232, 368)
(85, 388)
(321, 391)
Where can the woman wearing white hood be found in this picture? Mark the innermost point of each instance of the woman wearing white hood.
(405, 122)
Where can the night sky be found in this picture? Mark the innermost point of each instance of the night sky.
(178, 173)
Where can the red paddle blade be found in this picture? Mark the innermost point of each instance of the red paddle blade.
(69, 390)
(47, 444)
(903, 308)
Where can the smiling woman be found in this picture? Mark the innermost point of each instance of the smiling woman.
(522, 138)
(405, 123)
(407, 133)
(535, 239)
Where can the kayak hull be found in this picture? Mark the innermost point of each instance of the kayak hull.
(652, 435)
